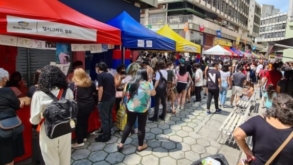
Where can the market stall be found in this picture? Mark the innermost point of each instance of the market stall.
(182, 45)
(217, 51)
(234, 55)
(135, 36)
(22, 25)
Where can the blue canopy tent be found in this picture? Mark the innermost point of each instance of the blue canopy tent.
(136, 36)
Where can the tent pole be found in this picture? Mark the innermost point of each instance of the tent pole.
(123, 55)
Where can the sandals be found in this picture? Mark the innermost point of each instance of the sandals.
(145, 146)
(119, 149)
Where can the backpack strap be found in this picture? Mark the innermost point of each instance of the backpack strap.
(61, 93)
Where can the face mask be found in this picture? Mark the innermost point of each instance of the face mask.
(122, 72)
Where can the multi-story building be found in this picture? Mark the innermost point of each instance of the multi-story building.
(273, 27)
(238, 20)
(287, 54)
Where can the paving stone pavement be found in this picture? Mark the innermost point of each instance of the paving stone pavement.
(181, 139)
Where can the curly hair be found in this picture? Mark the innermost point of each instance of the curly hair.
(282, 109)
(50, 77)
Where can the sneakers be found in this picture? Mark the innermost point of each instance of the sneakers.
(208, 112)
(85, 140)
(219, 110)
(76, 145)
(102, 138)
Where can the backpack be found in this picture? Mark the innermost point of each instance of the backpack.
(162, 86)
(60, 115)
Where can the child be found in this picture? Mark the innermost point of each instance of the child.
(268, 97)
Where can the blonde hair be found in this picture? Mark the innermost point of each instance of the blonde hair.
(81, 78)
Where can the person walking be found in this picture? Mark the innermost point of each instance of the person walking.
(225, 79)
(138, 103)
(85, 94)
(198, 82)
(106, 100)
(239, 80)
(214, 87)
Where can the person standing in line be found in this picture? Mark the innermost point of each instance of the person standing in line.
(13, 146)
(55, 151)
(214, 87)
(85, 94)
(161, 73)
(75, 65)
(198, 82)
(106, 100)
(138, 103)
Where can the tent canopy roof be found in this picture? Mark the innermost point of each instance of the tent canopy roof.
(44, 19)
(182, 45)
(217, 50)
(137, 36)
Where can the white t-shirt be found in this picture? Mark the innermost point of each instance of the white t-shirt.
(164, 73)
(224, 76)
(199, 74)
(258, 68)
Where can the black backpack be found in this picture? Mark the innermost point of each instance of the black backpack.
(60, 116)
(162, 86)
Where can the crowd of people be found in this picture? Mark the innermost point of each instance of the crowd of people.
(170, 85)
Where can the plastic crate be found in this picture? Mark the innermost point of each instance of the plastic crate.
(219, 157)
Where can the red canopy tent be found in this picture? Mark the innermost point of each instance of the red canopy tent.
(233, 53)
(53, 21)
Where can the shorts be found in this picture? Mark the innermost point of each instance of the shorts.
(181, 87)
(237, 90)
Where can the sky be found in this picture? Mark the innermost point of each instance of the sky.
(279, 4)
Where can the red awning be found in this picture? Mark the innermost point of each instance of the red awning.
(53, 21)
(228, 49)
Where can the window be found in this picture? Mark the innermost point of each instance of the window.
(283, 26)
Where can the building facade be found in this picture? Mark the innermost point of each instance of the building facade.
(273, 28)
(287, 54)
(235, 19)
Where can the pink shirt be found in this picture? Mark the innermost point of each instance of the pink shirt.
(183, 79)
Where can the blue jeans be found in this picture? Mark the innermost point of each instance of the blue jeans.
(223, 93)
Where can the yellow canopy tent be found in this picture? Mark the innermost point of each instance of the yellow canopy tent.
(182, 45)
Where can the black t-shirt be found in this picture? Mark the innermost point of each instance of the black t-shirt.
(238, 79)
(31, 91)
(86, 97)
(286, 86)
(106, 80)
(213, 77)
(266, 140)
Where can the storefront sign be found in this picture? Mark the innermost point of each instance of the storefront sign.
(189, 48)
(51, 29)
(219, 33)
(222, 42)
(201, 28)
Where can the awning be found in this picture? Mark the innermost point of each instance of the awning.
(238, 52)
(182, 45)
(228, 49)
(136, 36)
(53, 21)
(281, 44)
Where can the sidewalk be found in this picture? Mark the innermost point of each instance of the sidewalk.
(181, 139)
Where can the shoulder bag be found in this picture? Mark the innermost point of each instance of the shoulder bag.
(10, 127)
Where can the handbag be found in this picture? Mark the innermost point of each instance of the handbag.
(121, 117)
(10, 127)
(277, 152)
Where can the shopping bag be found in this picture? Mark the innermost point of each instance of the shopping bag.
(121, 117)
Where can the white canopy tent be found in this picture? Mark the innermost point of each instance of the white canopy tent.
(217, 50)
